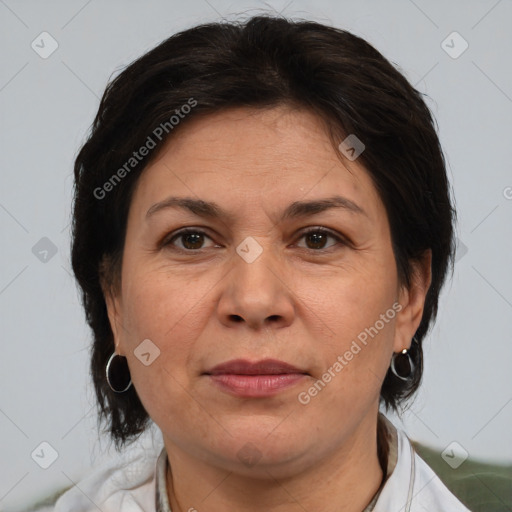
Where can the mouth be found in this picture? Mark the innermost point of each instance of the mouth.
(263, 378)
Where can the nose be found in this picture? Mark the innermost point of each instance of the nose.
(257, 294)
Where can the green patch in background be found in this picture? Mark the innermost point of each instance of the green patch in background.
(481, 486)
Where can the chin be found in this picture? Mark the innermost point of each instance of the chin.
(260, 453)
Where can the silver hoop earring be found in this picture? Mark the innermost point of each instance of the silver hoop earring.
(118, 373)
(402, 365)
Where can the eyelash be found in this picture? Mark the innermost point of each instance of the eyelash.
(169, 241)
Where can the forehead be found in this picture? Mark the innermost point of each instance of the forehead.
(250, 157)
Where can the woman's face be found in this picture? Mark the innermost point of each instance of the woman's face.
(249, 283)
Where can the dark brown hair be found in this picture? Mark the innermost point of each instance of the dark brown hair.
(262, 62)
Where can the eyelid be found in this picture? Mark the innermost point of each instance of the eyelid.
(326, 231)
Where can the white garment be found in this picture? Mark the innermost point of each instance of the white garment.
(130, 485)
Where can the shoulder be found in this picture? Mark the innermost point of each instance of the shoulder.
(413, 486)
(430, 492)
(126, 482)
(481, 485)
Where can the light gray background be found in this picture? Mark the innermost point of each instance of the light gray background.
(47, 106)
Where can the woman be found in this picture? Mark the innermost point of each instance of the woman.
(262, 227)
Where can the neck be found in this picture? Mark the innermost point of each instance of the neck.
(345, 481)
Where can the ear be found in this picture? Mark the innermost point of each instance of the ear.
(112, 295)
(412, 300)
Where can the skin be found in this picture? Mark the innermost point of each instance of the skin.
(302, 301)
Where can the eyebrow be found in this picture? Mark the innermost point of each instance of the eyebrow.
(296, 209)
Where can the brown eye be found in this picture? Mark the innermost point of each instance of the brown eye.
(316, 239)
(191, 240)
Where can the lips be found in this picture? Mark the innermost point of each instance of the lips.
(263, 367)
(264, 378)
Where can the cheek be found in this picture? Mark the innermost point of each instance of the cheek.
(171, 309)
(358, 314)
(166, 394)
(160, 308)
(163, 305)
(352, 301)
